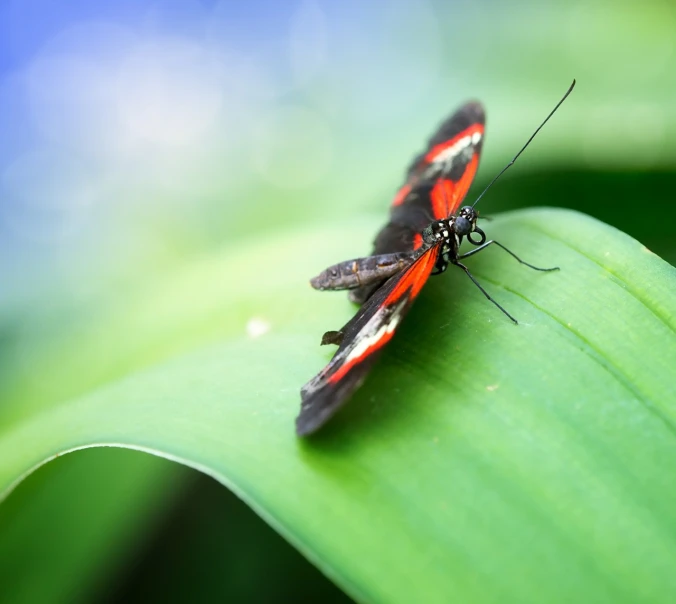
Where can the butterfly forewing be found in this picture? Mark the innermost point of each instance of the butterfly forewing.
(452, 155)
(436, 184)
(361, 341)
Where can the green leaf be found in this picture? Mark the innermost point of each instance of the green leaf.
(481, 462)
(83, 512)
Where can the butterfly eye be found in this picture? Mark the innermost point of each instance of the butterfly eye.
(462, 226)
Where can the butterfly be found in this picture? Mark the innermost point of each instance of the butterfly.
(426, 228)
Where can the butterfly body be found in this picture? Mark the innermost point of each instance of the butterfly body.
(422, 238)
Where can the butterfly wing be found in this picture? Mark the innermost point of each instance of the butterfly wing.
(449, 163)
(361, 341)
(436, 184)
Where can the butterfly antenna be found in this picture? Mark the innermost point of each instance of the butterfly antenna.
(565, 96)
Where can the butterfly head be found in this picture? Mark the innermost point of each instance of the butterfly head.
(465, 221)
(464, 225)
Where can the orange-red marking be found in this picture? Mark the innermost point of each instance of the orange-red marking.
(401, 195)
(413, 279)
(447, 195)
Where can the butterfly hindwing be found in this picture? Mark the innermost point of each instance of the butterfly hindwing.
(361, 341)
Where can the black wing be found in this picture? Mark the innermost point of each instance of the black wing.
(360, 342)
(436, 184)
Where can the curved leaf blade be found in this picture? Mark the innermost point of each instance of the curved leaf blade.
(481, 461)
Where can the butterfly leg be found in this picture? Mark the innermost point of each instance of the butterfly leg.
(485, 293)
(483, 246)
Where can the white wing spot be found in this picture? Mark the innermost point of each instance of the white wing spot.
(369, 341)
(450, 152)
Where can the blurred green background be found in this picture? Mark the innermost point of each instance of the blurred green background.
(140, 138)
